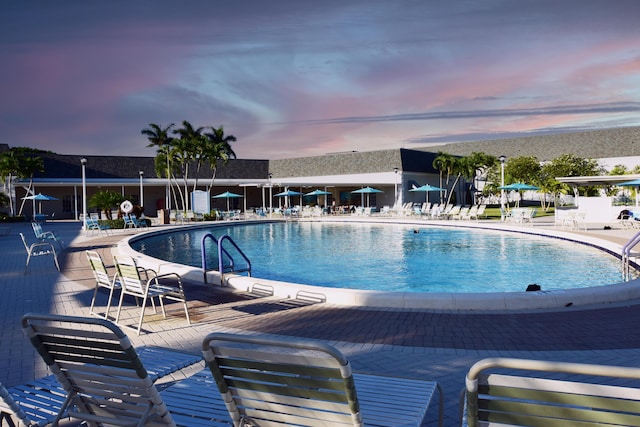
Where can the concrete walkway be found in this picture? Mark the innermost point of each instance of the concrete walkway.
(416, 343)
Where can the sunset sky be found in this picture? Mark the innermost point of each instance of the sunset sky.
(300, 78)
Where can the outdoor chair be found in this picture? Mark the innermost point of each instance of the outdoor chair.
(519, 392)
(39, 249)
(129, 222)
(93, 224)
(37, 402)
(102, 281)
(165, 286)
(46, 235)
(103, 381)
(278, 382)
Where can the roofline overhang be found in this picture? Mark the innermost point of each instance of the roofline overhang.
(582, 181)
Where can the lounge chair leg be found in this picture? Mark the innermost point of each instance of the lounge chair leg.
(119, 307)
(144, 303)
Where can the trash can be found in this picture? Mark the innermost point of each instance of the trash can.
(163, 216)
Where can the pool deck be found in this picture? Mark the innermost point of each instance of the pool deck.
(429, 344)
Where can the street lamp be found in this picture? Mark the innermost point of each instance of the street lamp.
(270, 195)
(395, 187)
(502, 195)
(141, 173)
(83, 161)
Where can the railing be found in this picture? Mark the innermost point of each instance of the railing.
(224, 255)
(626, 253)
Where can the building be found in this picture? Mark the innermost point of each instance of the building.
(394, 172)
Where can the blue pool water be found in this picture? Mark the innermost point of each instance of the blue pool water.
(393, 257)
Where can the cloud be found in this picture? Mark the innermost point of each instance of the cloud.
(615, 107)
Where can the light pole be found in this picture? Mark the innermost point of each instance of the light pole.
(395, 187)
(502, 195)
(270, 195)
(83, 161)
(141, 173)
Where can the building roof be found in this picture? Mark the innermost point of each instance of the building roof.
(597, 144)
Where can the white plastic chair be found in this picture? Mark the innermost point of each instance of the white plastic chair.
(39, 249)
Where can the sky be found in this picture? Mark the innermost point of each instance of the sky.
(294, 78)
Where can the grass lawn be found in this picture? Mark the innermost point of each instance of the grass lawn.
(494, 212)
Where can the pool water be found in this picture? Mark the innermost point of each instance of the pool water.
(397, 257)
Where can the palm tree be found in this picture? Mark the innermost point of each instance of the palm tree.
(105, 201)
(20, 162)
(218, 147)
(159, 137)
(185, 150)
(8, 170)
(444, 163)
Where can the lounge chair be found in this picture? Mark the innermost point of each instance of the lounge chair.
(267, 381)
(102, 380)
(518, 392)
(153, 285)
(46, 235)
(93, 224)
(470, 214)
(39, 249)
(102, 280)
(37, 402)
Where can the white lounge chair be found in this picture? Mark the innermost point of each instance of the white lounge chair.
(165, 286)
(519, 392)
(102, 280)
(103, 381)
(265, 381)
(46, 235)
(39, 249)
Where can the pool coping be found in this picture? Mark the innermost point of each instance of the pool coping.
(459, 302)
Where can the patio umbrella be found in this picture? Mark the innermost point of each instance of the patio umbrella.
(317, 193)
(426, 189)
(39, 197)
(519, 186)
(289, 193)
(227, 195)
(634, 183)
(367, 191)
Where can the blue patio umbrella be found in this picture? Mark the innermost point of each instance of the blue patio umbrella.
(519, 186)
(426, 189)
(227, 195)
(39, 197)
(317, 193)
(367, 191)
(634, 183)
(289, 193)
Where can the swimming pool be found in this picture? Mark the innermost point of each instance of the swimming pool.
(398, 257)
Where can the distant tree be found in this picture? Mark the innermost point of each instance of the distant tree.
(217, 147)
(572, 165)
(23, 163)
(444, 163)
(106, 201)
(159, 137)
(619, 170)
(192, 147)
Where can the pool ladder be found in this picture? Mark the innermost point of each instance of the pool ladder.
(627, 254)
(224, 255)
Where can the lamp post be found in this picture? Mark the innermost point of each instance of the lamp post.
(502, 195)
(83, 161)
(141, 173)
(395, 187)
(270, 195)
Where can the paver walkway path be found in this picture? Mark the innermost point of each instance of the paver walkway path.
(416, 343)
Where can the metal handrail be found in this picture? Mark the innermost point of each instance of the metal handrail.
(222, 252)
(626, 252)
